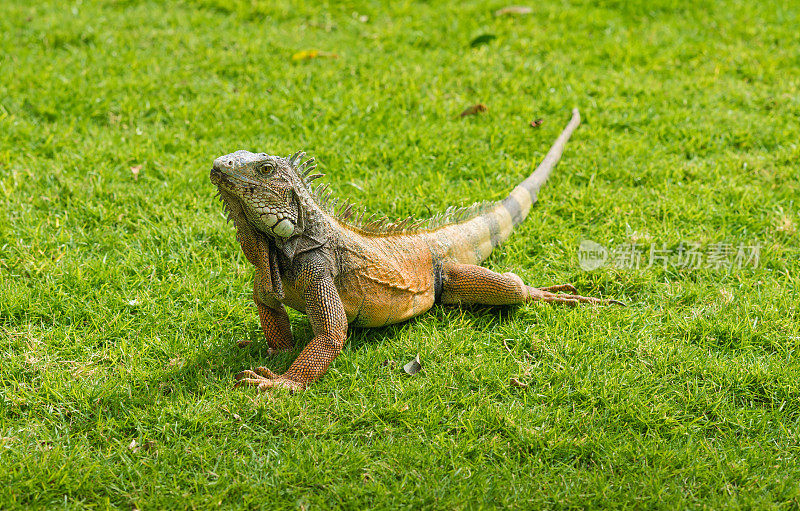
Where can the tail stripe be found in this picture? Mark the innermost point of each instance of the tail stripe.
(514, 209)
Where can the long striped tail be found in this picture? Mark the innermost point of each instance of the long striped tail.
(472, 241)
(519, 201)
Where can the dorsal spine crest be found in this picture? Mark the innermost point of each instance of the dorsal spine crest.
(343, 210)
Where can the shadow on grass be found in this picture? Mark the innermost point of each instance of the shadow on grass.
(225, 360)
(213, 366)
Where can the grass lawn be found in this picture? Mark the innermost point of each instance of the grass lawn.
(123, 291)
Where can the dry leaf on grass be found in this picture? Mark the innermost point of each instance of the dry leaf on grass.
(149, 445)
(475, 109)
(135, 171)
(536, 123)
(513, 10)
(414, 366)
(516, 383)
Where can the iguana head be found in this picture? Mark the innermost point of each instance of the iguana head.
(265, 188)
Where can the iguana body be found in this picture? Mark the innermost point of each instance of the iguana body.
(311, 257)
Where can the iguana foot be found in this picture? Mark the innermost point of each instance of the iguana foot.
(548, 294)
(264, 379)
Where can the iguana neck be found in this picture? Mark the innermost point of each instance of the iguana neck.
(315, 229)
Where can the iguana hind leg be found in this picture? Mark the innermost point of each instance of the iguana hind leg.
(467, 283)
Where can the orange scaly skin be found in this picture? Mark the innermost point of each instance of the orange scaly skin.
(308, 256)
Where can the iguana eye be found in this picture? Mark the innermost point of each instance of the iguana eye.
(266, 168)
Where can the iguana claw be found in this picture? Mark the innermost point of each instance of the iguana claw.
(548, 294)
(264, 379)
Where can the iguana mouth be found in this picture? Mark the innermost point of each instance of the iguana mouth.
(218, 177)
(231, 179)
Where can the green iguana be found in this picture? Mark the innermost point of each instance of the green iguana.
(317, 257)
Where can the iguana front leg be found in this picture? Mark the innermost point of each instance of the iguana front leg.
(275, 325)
(329, 323)
(274, 319)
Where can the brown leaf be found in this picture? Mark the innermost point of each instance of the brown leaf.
(313, 54)
(135, 171)
(474, 109)
(536, 123)
(414, 366)
(513, 10)
(133, 446)
(242, 343)
(516, 383)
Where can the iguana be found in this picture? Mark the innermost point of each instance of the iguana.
(314, 255)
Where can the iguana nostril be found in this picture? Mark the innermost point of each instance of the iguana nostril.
(230, 162)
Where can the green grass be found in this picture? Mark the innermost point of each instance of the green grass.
(121, 299)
